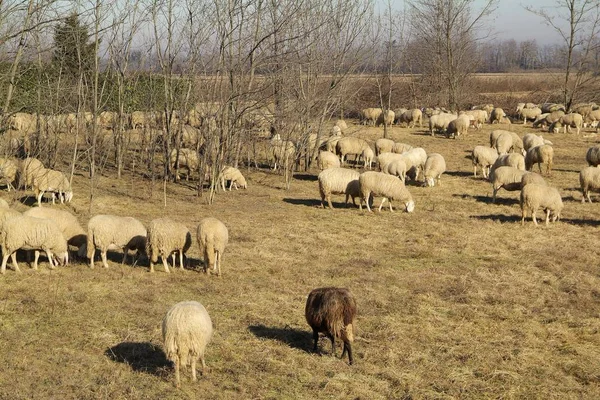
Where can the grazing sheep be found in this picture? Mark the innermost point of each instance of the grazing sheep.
(592, 119)
(415, 160)
(567, 121)
(531, 140)
(509, 160)
(337, 181)
(389, 187)
(589, 179)
(49, 180)
(340, 123)
(212, 236)
(167, 237)
(411, 118)
(385, 158)
(29, 169)
(458, 126)
(327, 159)
(350, 145)
(66, 222)
(386, 118)
(529, 113)
(543, 154)
(234, 176)
(508, 178)
(8, 172)
(331, 143)
(369, 116)
(551, 107)
(532, 177)
(396, 168)
(547, 119)
(23, 232)
(506, 141)
(496, 115)
(593, 156)
(479, 117)
(435, 166)
(368, 155)
(440, 122)
(534, 196)
(185, 158)
(486, 107)
(332, 311)
(283, 152)
(110, 231)
(186, 330)
(400, 148)
(483, 157)
(383, 146)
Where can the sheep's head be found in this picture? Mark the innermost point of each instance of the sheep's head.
(430, 182)
(62, 258)
(410, 206)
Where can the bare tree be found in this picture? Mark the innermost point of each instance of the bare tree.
(449, 31)
(578, 24)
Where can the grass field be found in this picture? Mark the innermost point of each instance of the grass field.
(456, 300)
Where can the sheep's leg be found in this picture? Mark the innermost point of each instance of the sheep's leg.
(390, 203)
(328, 197)
(165, 264)
(383, 199)
(177, 378)
(13, 258)
(333, 349)
(494, 195)
(104, 261)
(475, 170)
(547, 216)
(588, 196)
(348, 348)
(523, 215)
(194, 378)
(204, 369)
(315, 341)
(180, 260)
(49, 255)
(218, 263)
(35, 259)
(125, 254)
(533, 217)
(39, 199)
(4, 260)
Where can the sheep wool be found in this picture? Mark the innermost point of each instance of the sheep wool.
(543, 154)
(383, 146)
(186, 331)
(49, 180)
(24, 232)
(507, 178)
(167, 237)
(327, 159)
(234, 176)
(593, 156)
(336, 181)
(66, 222)
(212, 236)
(387, 186)
(28, 170)
(535, 196)
(332, 311)
(111, 231)
(435, 166)
(8, 172)
(350, 145)
(185, 158)
(483, 157)
(589, 179)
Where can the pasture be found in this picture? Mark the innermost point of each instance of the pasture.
(456, 300)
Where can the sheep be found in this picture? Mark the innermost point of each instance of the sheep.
(551, 107)
(531, 140)
(458, 126)
(411, 118)
(383, 146)
(496, 115)
(385, 158)
(415, 159)
(332, 311)
(589, 179)
(505, 120)
(234, 176)
(532, 177)
(23, 122)
(167, 237)
(386, 118)
(212, 236)
(568, 121)
(111, 231)
(396, 168)
(547, 119)
(483, 157)
(186, 331)
(369, 116)
(480, 117)
(509, 160)
(387, 186)
(8, 172)
(337, 181)
(505, 141)
(340, 123)
(24, 232)
(508, 178)
(283, 151)
(593, 156)
(350, 145)
(327, 159)
(368, 155)
(4, 205)
(440, 122)
(400, 148)
(435, 166)
(534, 196)
(584, 109)
(331, 142)
(66, 222)
(592, 119)
(529, 113)
(184, 158)
(543, 154)
(336, 131)
(29, 169)
(52, 181)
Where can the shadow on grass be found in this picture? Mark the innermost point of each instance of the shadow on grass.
(142, 357)
(29, 201)
(498, 218)
(458, 173)
(305, 177)
(295, 338)
(580, 222)
(308, 202)
(501, 201)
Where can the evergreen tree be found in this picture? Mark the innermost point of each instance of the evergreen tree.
(73, 51)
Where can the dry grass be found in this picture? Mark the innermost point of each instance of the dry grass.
(456, 300)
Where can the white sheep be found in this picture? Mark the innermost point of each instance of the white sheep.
(340, 123)
(411, 118)
(389, 187)
(543, 154)
(385, 158)
(480, 117)
(337, 181)
(496, 115)
(529, 113)
(111, 231)
(568, 121)
(439, 122)
(400, 148)
(212, 236)
(383, 146)
(49, 180)
(167, 237)
(506, 141)
(327, 159)
(509, 160)
(589, 179)
(396, 168)
(24, 232)
(508, 178)
(532, 177)
(593, 156)
(66, 222)
(350, 145)
(547, 119)
(386, 118)
(458, 126)
(531, 140)
(534, 196)
(551, 107)
(435, 166)
(186, 330)
(28, 169)
(415, 159)
(8, 172)
(369, 116)
(184, 158)
(368, 155)
(483, 157)
(234, 176)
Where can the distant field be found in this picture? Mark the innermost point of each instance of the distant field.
(456, 300)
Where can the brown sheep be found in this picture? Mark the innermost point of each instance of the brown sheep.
(332, 311)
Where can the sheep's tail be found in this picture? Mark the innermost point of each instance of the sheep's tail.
(91, 249)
